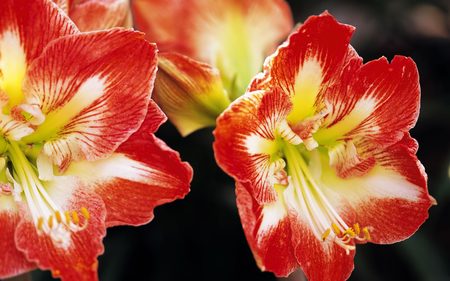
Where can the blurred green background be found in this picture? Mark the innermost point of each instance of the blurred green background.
(201, 238)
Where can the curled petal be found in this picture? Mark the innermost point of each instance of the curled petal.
(189, 92)
(346, 162)
(248, 138)
(36, 118)
(94, 92)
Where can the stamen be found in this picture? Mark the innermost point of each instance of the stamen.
(356, 228)
(50, 221)
(366, 233)
(85, 213)
(40, 222)
(76, 220)
(349, 232)
(58, 216)
(325, 235)
(335, 228)
(67, 214)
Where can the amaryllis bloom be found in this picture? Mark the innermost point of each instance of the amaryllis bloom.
(227, 39)
(321, 154)
(77, 152)
(89, 15)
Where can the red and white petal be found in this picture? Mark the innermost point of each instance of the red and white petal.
(308, 63)
(319, 260)
(225, 34)
(101, 14)
(248, 137)
(26, 27)
(94, 89)
(268, 232)
(75, 259)
(141, 174)
(391, 200)
(380, 102)
(189, 92)
(12, 261)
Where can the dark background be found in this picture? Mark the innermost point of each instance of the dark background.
(201, 238)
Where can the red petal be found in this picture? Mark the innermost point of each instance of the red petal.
(399, 213)
(12, 261)
(308, 63)
(270, 242)
(318, 260)
(101, 14)
(26, 27)
(379, 101)
(78, 260)
(141, 174)
(94, 89)
(246, 138)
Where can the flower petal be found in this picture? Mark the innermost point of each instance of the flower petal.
(12, 261)
(224, 34)
(94, 90)
(75, 260)
(319, 260)
(391, 200)
(26, 27)
(247, 139)
(308, 63)
(189, 92)
(268, 232)
(141, 174)
(380, 101)
(101, 14)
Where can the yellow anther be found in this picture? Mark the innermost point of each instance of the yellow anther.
(325, 235)
(335, 228)
(75, 217)
(349, 232)
(40, 222)
(50, 221)
(67, 215)
(356, 228)
(58, 216)
(85, 213)
(366, 233)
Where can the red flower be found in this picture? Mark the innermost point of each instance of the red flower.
(320, 151)
(77, 152)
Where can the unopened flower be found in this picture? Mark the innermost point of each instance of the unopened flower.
(232, 37)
